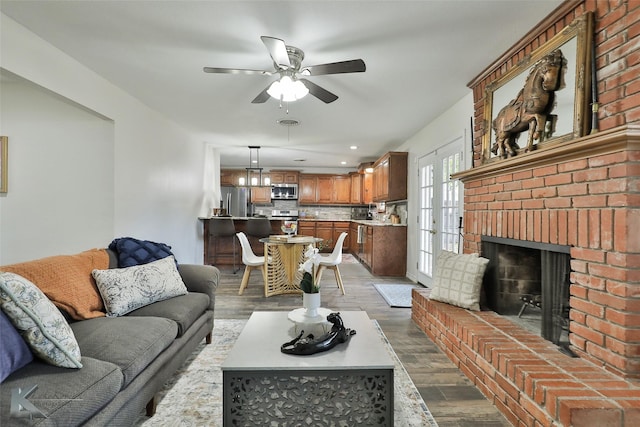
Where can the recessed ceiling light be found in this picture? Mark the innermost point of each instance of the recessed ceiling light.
(354, 147)
(343, 163)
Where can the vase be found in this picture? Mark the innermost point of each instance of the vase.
(311, 304)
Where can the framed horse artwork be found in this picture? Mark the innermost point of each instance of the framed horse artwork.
(544, 99)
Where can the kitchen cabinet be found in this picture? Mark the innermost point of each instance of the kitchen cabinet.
(231, 176)
(342, 189)
(324, 230)
(390, 177)
(328, 231)
(340, 227)
(367, 188)
(307, 228)
(261, 194)
(234, 176)
(356, 188)
(367, 245)
(324, 189)
(353, 238)
(307, 189)
(384, 250)
(284, 177)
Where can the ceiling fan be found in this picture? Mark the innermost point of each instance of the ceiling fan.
(291, 84)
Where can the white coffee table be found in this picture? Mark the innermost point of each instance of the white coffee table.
(352, 384)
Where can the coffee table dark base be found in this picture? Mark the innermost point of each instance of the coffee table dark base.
(310, 397)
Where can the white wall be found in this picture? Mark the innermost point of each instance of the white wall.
(157, 166)
(451, 125)
(61, 175)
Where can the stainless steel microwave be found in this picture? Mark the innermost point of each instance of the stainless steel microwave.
(284, 191)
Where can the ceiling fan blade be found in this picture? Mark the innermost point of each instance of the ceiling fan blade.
(278, 51)
(262, 96)
(319, 92)
(235, 71)
(352, 66)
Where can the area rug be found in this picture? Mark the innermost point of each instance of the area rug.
(395, 294)
(193, 396)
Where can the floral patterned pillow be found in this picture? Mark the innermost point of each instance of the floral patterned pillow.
(39, 321)
(126, 289)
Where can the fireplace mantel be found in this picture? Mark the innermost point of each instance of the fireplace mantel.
(617, 139)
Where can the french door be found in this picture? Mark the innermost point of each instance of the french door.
(440, 207)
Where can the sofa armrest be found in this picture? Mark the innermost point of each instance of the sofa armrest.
(201, 278)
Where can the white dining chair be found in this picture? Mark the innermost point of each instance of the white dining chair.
(332, 261)
(250, 260)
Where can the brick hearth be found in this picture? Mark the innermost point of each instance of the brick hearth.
(523, 375)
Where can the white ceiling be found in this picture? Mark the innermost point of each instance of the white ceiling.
(420, 55)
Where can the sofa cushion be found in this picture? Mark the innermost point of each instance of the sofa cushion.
(66, 280)
(137, 252)
(184, 309)
(66, 396)
(458, 279)
(126, 289)
(131, 343)
(39, 321)
(14, 352)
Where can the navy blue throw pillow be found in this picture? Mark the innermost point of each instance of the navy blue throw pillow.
(137, 252)
(14, 352)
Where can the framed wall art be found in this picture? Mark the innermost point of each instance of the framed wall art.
(4, 161)
(510, 100)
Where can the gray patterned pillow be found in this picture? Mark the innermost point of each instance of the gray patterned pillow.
(126, 289)
(458, 279)
(39, 321)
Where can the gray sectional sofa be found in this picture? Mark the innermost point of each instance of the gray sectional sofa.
(125, 359)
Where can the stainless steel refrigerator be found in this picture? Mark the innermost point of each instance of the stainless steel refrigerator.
(236, 200)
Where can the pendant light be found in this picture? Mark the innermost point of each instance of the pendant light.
(254, 167)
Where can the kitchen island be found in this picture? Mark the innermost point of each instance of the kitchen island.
(380, 245)
(221, 253)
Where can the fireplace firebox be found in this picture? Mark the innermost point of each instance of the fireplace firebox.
(531, 277)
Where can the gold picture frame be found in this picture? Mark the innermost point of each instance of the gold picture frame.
(4, 161)
(572, 104)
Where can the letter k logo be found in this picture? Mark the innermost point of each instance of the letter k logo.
(21, 407)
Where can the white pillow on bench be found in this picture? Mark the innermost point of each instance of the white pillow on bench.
(458, 279)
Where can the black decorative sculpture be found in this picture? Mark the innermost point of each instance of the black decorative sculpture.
(310, 345)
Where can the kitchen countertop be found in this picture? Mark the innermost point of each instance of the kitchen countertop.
(241, 218)
(371, 222)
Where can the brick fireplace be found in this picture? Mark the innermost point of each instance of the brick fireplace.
(583, 194)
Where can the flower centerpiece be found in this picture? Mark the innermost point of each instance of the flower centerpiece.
(310, 289)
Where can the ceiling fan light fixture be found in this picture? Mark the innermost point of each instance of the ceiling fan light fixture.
(287, 89)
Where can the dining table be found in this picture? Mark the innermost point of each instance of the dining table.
(283, 255)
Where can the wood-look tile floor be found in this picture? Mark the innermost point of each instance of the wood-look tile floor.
(450, 396)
